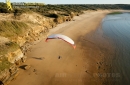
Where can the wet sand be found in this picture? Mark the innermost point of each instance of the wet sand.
(76, 67)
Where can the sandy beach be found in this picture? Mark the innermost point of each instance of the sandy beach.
(77, 66)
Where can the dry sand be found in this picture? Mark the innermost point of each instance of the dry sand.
(76, 67)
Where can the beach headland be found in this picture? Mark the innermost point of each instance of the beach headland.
(23, 30)
(78, 67)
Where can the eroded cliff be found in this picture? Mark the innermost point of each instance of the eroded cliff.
(17, 34)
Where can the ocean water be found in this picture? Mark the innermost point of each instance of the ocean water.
(117, 28)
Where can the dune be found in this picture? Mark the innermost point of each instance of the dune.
(76, 66)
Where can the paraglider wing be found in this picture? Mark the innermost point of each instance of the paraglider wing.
(62, 37)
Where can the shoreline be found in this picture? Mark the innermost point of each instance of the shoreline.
(71, 69)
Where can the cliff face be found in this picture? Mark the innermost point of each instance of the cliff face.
(14, 56)
(35, 27)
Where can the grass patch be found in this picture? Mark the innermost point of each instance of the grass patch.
(11, 29)
(4, 63)
(115, 13)
(4, 49)
(8, 47)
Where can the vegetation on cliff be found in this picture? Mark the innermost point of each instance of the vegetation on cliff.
(12, 29)
(4, 63)
(9, 30)
(65, 9)
(5, 49)
(114, 13)
(8, 47)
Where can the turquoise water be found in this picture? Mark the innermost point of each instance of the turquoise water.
(117, 27)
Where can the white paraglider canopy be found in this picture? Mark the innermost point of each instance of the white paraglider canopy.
(63, 37)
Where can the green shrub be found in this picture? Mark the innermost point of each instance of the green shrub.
(53, 15)
(115, 13)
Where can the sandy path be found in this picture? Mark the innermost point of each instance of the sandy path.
(76, 67)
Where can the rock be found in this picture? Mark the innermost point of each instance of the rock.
(99, 67)
(34, 70)
(1, 83)
(8, 74)
(15, 56)
(3, 40)
(86, 71)
(23, 59)
(27, 67)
